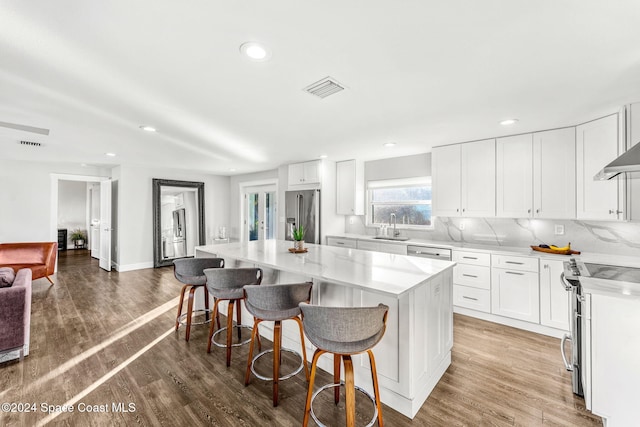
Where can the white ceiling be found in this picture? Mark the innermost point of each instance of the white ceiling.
(419, 73)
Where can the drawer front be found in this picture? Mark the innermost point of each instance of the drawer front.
(343, 243)
(474, 258)
(368, 246)
(472, 275)
(473, 298)
(519, 263)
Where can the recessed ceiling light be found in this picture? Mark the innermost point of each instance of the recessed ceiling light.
(508, 122)
(323, 156)
(148, 128)
(110, 154)
(232, 170)
(255, 51)
(389, 144)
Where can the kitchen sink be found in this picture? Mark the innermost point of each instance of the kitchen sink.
(399, 238)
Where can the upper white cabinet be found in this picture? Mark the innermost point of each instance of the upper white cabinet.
(536, 175)
(554, 174)
(350, 188)
(464, 179)
(554, 299)
(304, 173)
(597, 143)
(514, 176)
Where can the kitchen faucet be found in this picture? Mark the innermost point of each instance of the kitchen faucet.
(392, 217)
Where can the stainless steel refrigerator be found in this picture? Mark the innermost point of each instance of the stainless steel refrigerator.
(179, 233)
(303, 208)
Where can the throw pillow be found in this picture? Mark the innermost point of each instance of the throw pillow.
(7, 276)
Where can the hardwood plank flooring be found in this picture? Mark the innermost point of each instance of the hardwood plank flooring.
(86, 329)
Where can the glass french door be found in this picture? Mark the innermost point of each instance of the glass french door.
(260, 212)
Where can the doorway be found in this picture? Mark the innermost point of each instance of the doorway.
(83, 204)
(259, 213)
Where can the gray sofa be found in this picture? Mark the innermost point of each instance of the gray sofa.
(15, 317)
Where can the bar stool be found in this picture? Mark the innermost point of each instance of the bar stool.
(276, 303)
(190, 272)
(344, 331)
(226, 284)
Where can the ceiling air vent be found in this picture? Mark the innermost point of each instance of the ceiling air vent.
(325, 87)
(31, 143)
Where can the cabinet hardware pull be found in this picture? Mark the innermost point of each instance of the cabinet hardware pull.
(469, 257)
(470, 275)
(340, 243)
(513, 272)
(537, 210)
(472, 299)
(514, 262)
(528, 210)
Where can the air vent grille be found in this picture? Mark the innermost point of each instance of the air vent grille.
(325, 87)
(31, 143)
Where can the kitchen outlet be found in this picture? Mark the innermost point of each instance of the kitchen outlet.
(351, 220)
(559, 230)
(462, 225)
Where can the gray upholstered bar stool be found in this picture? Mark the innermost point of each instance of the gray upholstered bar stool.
(344, 331)
(190, 272)
(226, 284)
(276, 303)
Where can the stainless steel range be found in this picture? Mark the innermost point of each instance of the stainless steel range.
(573, 271)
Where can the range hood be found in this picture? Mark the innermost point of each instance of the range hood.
(629, 161)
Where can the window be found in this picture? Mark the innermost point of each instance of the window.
(408, 199)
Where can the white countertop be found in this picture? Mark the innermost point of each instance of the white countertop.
(613, 288)
(373, 271)
(594, 257)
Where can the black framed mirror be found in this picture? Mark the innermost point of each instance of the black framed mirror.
(178, 219)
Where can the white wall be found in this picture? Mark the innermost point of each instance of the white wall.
(398, 167)
(26, 192)
(72, 207)
(135, 211)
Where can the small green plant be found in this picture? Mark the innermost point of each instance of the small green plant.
(298, 233)
(77, 234)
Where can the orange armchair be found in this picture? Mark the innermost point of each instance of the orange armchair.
(39, 257)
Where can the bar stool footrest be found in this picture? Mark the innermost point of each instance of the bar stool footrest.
(238, 344)
(182, 319)
(284, 377)
(361, 390)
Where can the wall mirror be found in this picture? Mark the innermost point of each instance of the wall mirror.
(178, 219)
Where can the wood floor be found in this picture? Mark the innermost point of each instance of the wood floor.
(100, 338)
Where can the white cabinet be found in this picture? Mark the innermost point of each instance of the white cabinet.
(597, 143)
(472, 280)
(342, 242)
(464, 179)
(610, 357)
(514, 287)
(514, 176)
(554, 174)
(554, 299)
(390, 248)
(305, 173)
(350, 188)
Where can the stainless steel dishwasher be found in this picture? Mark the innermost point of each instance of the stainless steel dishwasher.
(429, 252)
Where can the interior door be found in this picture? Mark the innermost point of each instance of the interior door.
(94, 238)
(260, 219)
(105, 225)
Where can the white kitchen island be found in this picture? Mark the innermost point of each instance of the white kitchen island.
(416, 349)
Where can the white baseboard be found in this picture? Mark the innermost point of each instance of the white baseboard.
(131, 267)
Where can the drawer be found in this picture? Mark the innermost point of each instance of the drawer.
(519, 263)
(474, 258)
(472, 275)
(343, 243)
(473, 298)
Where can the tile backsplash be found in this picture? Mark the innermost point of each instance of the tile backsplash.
(622, 238)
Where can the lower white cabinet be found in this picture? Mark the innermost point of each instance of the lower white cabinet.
(515, 290)
(554, 299)
(342, 242)
(473, 298)
(472, 280)
(390, 248)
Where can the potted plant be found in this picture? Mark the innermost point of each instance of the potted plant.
(78, 237)
(298, 238)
